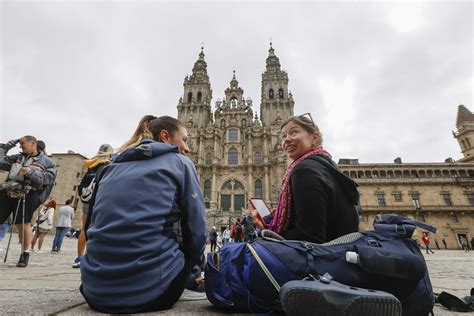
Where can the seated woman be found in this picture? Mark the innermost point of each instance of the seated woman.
(145, 201)
(317, 202)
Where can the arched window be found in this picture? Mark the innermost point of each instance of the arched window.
(208, 160)
(232, 196)
(258, 188)
(257, 159)
(280, 93)
(207, 189)
(233, 135)
(190, 97)
(270, 93)
(222, 123)
(199, 96)
(233, 101)
(233, 157)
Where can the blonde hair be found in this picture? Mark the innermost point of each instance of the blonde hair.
(142, 131)
(307, 124)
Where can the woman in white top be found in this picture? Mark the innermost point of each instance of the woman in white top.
(44, 223)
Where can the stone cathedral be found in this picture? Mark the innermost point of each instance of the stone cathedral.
(237, 152)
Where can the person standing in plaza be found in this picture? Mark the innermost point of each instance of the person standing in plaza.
(213, 238)
(146, 226)
(464, 243)
(66, 214)
(93, 167)
(226, 236)
(31, 175)
(237, 231)
(249, 227)
(44, 223)
(426, 241)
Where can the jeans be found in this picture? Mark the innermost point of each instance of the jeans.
(3, 230)
(58, 238)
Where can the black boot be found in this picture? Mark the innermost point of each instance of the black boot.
(23, 262)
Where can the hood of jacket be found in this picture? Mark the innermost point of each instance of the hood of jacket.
(348, 185)
(147, 149)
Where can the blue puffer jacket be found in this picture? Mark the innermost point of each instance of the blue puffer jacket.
(134, 247)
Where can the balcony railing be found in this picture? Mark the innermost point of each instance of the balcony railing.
(422, 208)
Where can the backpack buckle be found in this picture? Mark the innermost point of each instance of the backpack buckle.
(400, 230)
(373, 243)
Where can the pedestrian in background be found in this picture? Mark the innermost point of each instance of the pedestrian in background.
(66, 214)
(426, 240)
(226, 236)
(213, 238)
(44, 223)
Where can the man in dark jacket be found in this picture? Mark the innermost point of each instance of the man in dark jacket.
(31, 173)
(135, 261)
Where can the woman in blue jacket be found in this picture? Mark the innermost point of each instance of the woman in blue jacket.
(146, 226)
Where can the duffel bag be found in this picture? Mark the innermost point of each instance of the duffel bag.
(248, 276)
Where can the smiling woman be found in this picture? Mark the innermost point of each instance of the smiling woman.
(317, 202)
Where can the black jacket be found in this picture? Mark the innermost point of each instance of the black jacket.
(323, 202)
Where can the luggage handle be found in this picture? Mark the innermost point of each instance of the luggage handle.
(270, 235)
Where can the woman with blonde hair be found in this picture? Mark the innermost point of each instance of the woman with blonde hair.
(141, 132)
(44, 223)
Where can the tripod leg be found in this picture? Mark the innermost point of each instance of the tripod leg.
(23, 241)
(11, 230)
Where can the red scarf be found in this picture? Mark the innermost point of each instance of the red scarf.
(281, 218)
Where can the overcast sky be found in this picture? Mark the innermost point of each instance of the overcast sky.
(383, 80)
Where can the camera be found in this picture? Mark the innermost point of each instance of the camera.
(10, 185)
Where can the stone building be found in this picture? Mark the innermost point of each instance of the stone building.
(237, 153)
(70, 170)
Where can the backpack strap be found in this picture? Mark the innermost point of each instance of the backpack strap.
(401, 225)
(264, 268)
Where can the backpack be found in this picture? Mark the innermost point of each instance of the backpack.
(86, 192)
(246, 277)
(88, 183)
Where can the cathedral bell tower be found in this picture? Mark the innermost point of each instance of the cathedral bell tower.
(194, 107)
(465, 133)
(276, 102)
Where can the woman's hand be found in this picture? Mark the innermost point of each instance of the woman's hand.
(256, 220)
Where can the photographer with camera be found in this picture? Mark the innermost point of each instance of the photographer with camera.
(31, 175)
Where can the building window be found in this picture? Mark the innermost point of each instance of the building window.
(415, 197)
(447, 198)
(470, 198)
(74, 188)
(280, 93)
(270, 94)
(257, 158)
(199, 96)
(190, 97)
(208, 160)
(225, 202)
(455, 218)
(78, 175)
(207, 189)
(222, 123)
(380, 199)
(233, 135)
(422, 218)
(244, 123)
(232, 196)
(233, 157)
(397, 196)
(258, 188)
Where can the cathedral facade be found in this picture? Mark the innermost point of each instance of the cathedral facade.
(237, 152)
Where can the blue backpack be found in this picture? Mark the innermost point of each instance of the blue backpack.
(247, 277)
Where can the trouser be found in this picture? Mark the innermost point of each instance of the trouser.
(165, 301)
(8, 206)
(58, 238)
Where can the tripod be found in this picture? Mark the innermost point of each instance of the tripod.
(21, 200)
